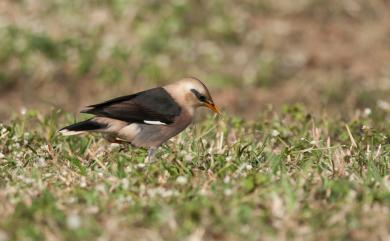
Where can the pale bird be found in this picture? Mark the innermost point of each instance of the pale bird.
(149, 118)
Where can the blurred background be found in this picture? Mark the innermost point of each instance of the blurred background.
(330, 55)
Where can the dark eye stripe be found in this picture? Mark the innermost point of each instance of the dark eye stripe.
(199, 95)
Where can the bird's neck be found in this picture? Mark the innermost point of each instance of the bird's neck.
(181, 97)
(191, 111)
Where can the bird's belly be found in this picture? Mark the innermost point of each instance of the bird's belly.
(142, 135)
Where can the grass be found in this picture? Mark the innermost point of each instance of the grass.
(288, 175)
(292, 174)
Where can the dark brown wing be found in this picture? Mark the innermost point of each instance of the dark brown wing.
(150, 106)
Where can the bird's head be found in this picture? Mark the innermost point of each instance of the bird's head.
(193, 93)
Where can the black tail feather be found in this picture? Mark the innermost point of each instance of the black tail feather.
(87, 125)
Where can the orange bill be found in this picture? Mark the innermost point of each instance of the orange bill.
(212, 107)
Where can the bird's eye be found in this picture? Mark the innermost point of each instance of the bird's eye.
(202, 98)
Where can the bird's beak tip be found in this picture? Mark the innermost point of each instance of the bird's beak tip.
(213, 107)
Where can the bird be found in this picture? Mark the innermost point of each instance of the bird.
(146, 119)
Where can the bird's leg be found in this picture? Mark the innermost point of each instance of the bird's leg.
(151, 155)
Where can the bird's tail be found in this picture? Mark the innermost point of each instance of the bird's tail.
(82, 127)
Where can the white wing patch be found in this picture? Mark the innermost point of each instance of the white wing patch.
(154, 122)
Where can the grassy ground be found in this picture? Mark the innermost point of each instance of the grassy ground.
(292, 173)
(288, 175)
